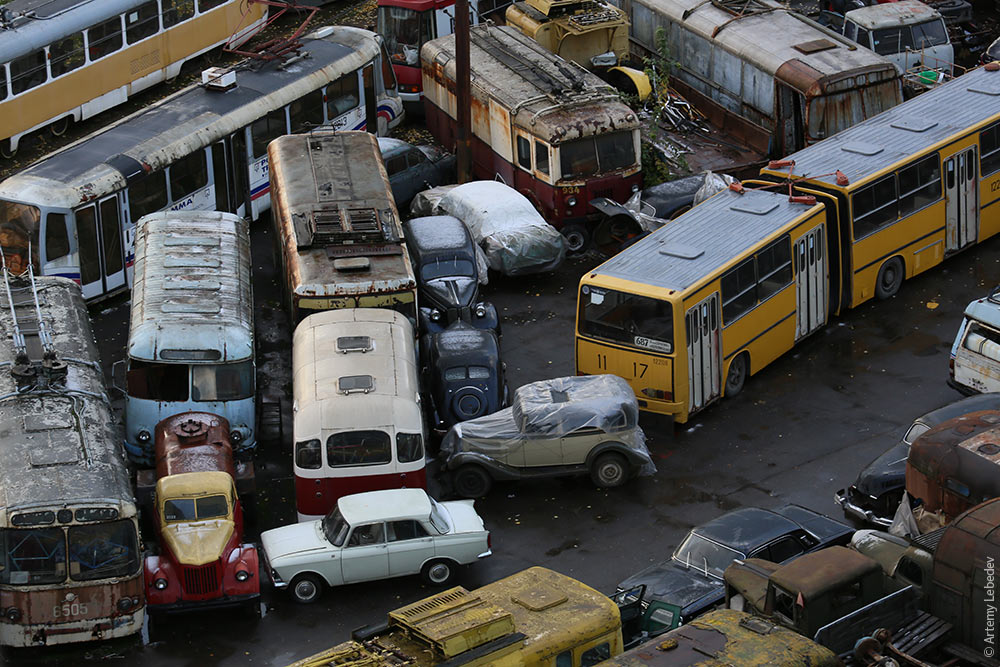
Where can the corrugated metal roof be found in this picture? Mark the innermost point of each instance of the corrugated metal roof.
(880, 142)
(714, 232)
(192, 286)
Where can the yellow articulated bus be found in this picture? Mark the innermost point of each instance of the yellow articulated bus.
(689, 312)
(536, 617)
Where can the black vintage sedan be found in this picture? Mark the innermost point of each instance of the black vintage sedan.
(876, 493)
(664, 596)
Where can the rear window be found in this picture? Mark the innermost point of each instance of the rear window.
(358, 448)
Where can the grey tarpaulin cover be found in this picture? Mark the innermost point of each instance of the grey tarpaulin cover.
(503, 222)
(556, 408)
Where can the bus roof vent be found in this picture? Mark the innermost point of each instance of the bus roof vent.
(861, 148)
(454, 621)
(347, 225)
(681, 251)
(815, 46)
(347, 344)
(352, 384)
(914, 124)
(218, 78)
(989, 87)
(754, 205)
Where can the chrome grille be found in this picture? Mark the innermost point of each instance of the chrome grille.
(201, 580)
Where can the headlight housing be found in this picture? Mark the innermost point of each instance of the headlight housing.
(635, 187)
(242, 575)
(571, 201)
(124, 604)
(236, 435)
(143, 436)
(160, 584)
(13, 614)
(435, 315)
(480, 310)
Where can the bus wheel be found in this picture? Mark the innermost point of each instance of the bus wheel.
(438, 572)
(609, 470)
(890, 277)
(472, 482)
(306, 588)
(58, 128)
(6, 152)
(577, 238)
(737, 376)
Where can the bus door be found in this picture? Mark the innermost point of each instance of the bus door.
(704, 353)
(961, 197)
(102, 254)
(228, 196)
(790, 119)
(810, 282)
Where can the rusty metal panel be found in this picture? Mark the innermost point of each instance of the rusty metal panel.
(193, 442)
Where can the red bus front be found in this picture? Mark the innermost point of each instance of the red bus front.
(405, 25)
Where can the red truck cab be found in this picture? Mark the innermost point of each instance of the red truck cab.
(198, 516)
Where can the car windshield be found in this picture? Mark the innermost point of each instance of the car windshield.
(447, 268)
(703, 554)
(335, 528)
(195, 509)
(931, 33)
(440, 518)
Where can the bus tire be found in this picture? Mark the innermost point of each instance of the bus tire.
(306, 588)
(609, 470)
(890, 277)
(438, 572)
(577, 238)
(736, 378)
(471, 481)
(6, 152)
(59, 127)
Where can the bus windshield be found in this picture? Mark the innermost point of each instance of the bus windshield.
(597, 154)
(626, 318)
(102, 551)
(222, 382)
(209, 382)
(404, 31)
(96, 551)
(18, 232)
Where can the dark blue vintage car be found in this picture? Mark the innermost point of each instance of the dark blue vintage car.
(412, 169)
(673, 592)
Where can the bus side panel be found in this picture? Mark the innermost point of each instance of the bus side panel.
(989, 213)
(766, 332)
(316, 496)
(641, 370)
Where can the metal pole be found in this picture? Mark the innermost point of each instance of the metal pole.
(463, 92)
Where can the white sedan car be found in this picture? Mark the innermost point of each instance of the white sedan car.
(375, 535)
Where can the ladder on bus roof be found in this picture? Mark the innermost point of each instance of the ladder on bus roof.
(738, 8)
(29, 323)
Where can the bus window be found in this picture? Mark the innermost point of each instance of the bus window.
(222, 382)
(524, 153)
(564, 659)
(307, 454)
(66, 54)
(187, 175)
(874, 206)
(306, 112)
(262, 131)
(621, 317)
(205, 5)
(36, 556)
(342, 95)
(102, 551)
(56, 237)
(989, 145)
(86, 238)
(388, 76)
(920, 184)
(541, 157)
(104, 38)
(175, 11)
(409, 447)
(352, 448)
(739, 291)
(774, 266)
(147, 195)
(578, 158)
(158, 382)
(142, 22)
(596, 655)
(3, 82)
(27, 71)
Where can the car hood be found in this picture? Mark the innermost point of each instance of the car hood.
(463, 516)
(493, 435)
(293, 540)
(197, 542)
(886, 473)
(674, 584)
(453, 291)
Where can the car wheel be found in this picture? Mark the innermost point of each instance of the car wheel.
(438, 572)
(469, 403)
(736, 378)
(306, 588)
(472, 482)
(577, 238)
(890, 277)
(609, 470)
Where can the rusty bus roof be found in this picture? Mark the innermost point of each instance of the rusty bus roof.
(60, 445)
(981, 522)
(191, 291)
(864, 150)
(966, 449)
(557, 99)
(816, 573)
(727, 637)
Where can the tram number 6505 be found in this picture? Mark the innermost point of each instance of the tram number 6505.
(67, 609)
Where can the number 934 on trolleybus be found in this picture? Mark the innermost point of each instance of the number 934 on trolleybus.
(203, 148)
(70, 566)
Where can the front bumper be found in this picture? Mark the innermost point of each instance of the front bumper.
(197, 605)
(852, 509)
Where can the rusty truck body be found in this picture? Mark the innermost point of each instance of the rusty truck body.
(69, 536)
(544, 126)
(340, 243)
(763, 73)
(198, 517)
(591, 33)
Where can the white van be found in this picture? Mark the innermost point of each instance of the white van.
(975, 354)
(909, 33)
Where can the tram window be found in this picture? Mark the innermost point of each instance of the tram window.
(307, 454)
(342, 95)
(615, 150)
(35, 556)
(3, 82)
(175, 11)
(919, 185)
(524, 153)
(103, 551)
(263, 130)
(56, 236)
(158, 382)
(187, 175)
(409, 447)
(205, 5)
(541, 157)
(306, 112)
(111, 239)
(774, 266)
(67, 54)
(147, 195)
(18, 234)
(578, 158)
(104, 38)
(27, 71)
(989, 145)
(358, 448)
(874, 206)
(222, 382)
(142, 22)
(739, 290)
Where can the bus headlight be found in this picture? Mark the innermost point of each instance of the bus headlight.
(435, 315)
(480, 310)
(160, 584)
(571, 202)
(13, 614)
(236, 435)
(635, 187)
(143, 436)
(242, 575)
(124, 604)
